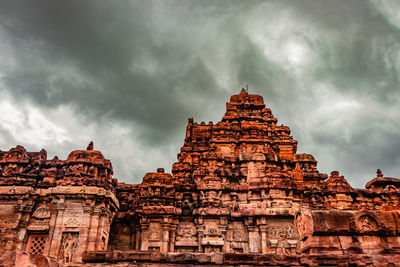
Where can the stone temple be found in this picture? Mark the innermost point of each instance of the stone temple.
(239, 194)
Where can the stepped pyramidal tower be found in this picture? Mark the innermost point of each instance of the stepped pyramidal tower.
(238, 194)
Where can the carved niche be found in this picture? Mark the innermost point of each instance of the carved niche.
(40, 218)
(15, 156)
(8, 217)
(239, 232)
(11, 169)
(366, 223)
(42, 212)
(211, 198)
(240, 238)
(153, 235)
(69, 244)
(73, 215)
(186, 235)
(213, 239)
(282, 238)
(212, 229)
(186, 231)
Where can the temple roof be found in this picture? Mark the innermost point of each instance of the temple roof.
(337, 184)
(382, 182)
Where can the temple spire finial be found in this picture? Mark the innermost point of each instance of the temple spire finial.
(243, 92)
(90, 146)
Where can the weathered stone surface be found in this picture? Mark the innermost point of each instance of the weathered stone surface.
(238, 194)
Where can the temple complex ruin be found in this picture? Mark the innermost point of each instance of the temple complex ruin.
(239, 194)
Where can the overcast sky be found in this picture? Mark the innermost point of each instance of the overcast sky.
(128, 74)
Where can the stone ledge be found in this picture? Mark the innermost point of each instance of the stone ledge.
(68, 190)
(231, 259)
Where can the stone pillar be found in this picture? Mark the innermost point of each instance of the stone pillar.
(94, 224)
(254, 239)
(165, 238)
(263, 229)
(137, 239)
(100, 234)
(55, 242)
(87, 215)
(52, 229)
(144, 242)
(257, 239)
(252, 244)
(172, 239)
(227, 248)
(19, 209)
(200, 233)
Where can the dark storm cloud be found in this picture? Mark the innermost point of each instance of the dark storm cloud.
(328, 69)
(99, 43)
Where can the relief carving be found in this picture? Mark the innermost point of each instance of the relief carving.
(42, 212)
(366, 223)
(210, 183)
(8, 223)
(211, 198)
(10, 169)
(239, 232)
(282, 239)
(212, 229)
(154, 236)
(186, 232)
(72, 222)
(68, 247)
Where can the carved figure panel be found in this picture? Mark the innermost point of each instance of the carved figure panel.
(281, 238)
(212, 229)
(42, 212)
(8, 216)
(73, 220)
(366, 223)
(239, 232)
(68, 247)
(186, 231)
(154, 236)
(11, 169)
(211, 198)
(73, 215)
(210, 183)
